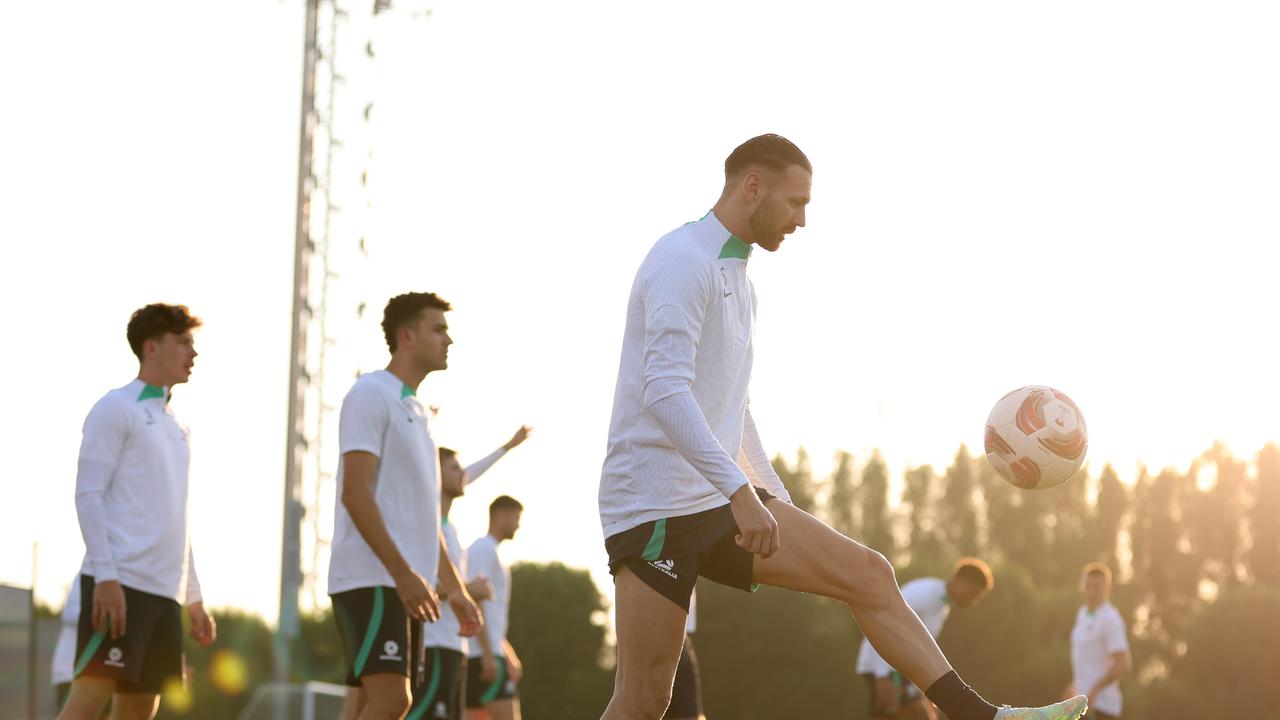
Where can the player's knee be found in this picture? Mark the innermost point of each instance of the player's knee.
(873, 582)
(646, 699)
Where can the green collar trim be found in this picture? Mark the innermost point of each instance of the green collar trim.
(946, 599)
(734, 247)
(444, 519)
(150, 391)
(407, 391)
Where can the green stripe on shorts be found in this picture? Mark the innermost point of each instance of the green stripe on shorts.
(95, 642)
(432, 687)
(371, 633)
(653, 550)
(491, 692)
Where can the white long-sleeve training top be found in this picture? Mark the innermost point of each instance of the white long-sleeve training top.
(681, 439)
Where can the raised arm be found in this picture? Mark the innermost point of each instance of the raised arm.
(481, 466)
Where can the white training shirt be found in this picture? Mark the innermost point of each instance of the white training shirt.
(131, 494)
(1096, 636)
(681, 440)
(928, 598)
(62, 667)
(382, 416)
(443, 633)
(483, 561)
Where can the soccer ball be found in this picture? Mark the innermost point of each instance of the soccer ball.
(1036, 437)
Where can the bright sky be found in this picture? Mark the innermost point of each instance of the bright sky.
(1005, 193)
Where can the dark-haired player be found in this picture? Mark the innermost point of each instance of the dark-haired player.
(131, 500)
(387, 545)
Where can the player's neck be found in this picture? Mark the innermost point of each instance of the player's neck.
(734, 218)
(446, 504)
(151, 376)
(403, 368)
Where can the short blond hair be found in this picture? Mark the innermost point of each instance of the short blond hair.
(1097, 568)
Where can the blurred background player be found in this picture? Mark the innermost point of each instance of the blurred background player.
(1099, 646)
(62, 667)
(932, 599)
(494, 669)
(441, 692)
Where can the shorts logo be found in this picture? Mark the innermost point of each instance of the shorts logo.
(390, 650)
(666, 567)
(115, 658)
(441, 711)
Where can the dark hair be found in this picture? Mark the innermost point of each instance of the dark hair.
(772, 151)
(156, 319)
(1099, 569)
(972, 570)
(504, 502)
(446, 453)
(404, 309)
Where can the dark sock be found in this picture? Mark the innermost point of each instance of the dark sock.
(959, 701)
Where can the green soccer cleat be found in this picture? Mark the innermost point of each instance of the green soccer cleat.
(1072, 709)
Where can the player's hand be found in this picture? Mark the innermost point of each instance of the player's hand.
(521, 435)
(420, 601)
(108, 608)
(470, 619)
(480, 589)
(757, 528)
(488, 669)
(203, 629)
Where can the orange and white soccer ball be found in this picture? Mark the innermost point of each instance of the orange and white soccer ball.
(1036, 437)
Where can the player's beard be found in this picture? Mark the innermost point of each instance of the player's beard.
(763, 228)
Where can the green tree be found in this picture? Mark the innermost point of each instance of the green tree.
(959, 511)
(1110, 509)
(776, 654)
(924, 550)
(877, 524)
(842, 501)
(798, 480)
(557, 628)
(1264, 520)
(1230, 664)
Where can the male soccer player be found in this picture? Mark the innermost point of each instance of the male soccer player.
(131, 499)
(931, 599)
(674, 502)
(1099, 646)
(387, 544)
(494, 669)
(441, 692)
